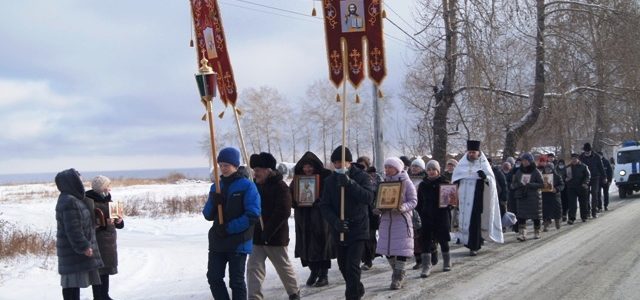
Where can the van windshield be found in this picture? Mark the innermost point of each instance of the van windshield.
(625, 157)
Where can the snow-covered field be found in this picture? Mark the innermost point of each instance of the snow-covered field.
(159, 258)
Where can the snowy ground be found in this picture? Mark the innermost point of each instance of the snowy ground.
(165, 258)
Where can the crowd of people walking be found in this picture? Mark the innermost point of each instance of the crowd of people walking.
(338, 214)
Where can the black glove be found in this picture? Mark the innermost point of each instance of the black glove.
(221, 231)
(218, 199)
(343, 180)
(342, 226)
(482, 175)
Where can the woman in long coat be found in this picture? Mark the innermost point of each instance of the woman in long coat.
(106, 234)
(76, 246)
(314, 245)
(396, 227)
(551, 202)
(527, 184)
(436, 220)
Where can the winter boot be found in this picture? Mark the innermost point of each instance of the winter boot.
(313, 276)
(392, 262)
(557, 224)
(434, 254)
(418, 264)
(446, 262)
(397, 279)
(71, 293)
(522, 233)
(295, 296)
(545, 227)
(536, 233)
(323, 278)
(426, 265)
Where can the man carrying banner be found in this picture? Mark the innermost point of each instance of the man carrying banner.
(478, 196)
(358, 196)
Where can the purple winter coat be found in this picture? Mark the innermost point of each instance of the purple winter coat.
(396, 228)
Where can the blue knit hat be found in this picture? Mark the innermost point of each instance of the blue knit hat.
(229, 155)
(527, 156)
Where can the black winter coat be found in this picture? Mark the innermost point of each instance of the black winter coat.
(358, 198)
(528, 197)
(551, 202)
(313, 234)
(594, 164)
(501, 184)
(436, 221)
(75, 226)
(276, 210)
(578, 176)
(106, 235)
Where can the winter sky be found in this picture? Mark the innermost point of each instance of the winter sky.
(108, 85)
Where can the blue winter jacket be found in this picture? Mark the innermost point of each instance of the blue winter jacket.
(241, 210)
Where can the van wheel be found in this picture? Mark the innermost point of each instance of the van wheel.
(623, 193)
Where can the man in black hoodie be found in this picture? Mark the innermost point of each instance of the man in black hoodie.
(271, 237)
(354, 227)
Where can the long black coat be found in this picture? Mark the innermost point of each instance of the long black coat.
(358, 198)
(436, 221)
(528, 197)
(106, 235)
(75, 226)
(551, 202)
(313, 234)
(276, 210)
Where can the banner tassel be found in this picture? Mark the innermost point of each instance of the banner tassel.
(221, 115)
(239, 111)
(380, 95)
(191, 41)
(313, 11)
(357, 98)
(337, 97)
(384, 14)
(204, 117)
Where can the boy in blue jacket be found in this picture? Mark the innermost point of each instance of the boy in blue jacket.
(231, 241)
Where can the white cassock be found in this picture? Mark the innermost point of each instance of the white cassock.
(466, 172)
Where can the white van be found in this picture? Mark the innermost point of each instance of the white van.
(627, 169)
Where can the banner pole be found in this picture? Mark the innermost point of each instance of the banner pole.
(245, 155)
(343, 46)
(212, 135)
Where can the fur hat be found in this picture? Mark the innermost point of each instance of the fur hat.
(511, 160)
(100, 182)
(405, 160)
(418, 162)
(263, 160)
(586, 147)
(433, 164)
(527, 156)
(395, 163)
(337, 154)
(453, 162)
(229, 155)
(473, 145)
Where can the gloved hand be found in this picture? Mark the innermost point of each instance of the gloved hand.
(585, 186)
(218, 199)
(343, 180)
(342, 226)
(482, 175)
(264, 238)
(221, 231)
(376, 211)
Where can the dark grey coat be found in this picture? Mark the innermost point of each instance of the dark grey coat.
(106, 235)
(75, 222)
(528, 197)
(551, 202)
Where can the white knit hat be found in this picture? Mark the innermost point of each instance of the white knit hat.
(394, 162)
(433, 164)
(98, 183)
(418, 162)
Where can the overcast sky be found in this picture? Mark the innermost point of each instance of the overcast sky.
(108, 85)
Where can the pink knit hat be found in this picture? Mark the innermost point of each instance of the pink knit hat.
(394, 162)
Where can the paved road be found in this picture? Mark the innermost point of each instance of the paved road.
(599, 259)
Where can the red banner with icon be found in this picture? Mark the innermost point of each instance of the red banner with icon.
(212, 45)
(354, 22)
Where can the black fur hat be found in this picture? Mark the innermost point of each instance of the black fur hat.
(262, 160)
(337, 155)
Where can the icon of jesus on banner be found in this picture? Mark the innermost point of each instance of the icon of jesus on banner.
(352, 12)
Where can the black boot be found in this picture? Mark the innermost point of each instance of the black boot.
(71, 294)
(313, 276)
(104, 287)
(323, 279)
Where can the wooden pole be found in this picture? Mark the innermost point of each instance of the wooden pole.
(212, 135)
(245, 155)
(378, 138)
(344, 126)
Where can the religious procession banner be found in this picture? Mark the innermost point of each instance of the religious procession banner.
(212, 45)
(354, 22)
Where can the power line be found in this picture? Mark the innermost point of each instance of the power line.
(399, 16)
(275, 8)
(265, 11)
(406, 33)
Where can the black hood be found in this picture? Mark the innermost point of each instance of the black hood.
(68, 181)
(97, 196)
(311, 159)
